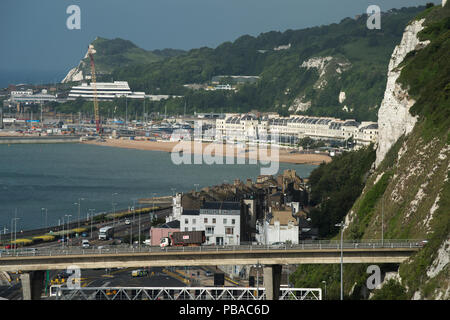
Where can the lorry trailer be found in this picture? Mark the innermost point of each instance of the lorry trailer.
(106, 233)
(184, 238)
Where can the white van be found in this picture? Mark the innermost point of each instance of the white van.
(85, 243)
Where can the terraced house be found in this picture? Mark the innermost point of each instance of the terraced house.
(248, 127)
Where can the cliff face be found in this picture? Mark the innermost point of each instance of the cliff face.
(77, 74)
(394, 118)
(408, 194)
(112, 54)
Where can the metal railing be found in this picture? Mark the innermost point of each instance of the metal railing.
(304, 245)
(180, 293)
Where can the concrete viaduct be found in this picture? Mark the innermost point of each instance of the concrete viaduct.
(34, 265)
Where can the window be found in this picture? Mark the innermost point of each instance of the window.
(186, 229)
(224, 221)
(186, 221)
(209, 230)
(194, 221)
(233, 221)
(229, 230)
(205, 220)
(214, 220)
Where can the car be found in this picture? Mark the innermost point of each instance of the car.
(139, 273)
(278, 245)
(127, 221)
(208, 273)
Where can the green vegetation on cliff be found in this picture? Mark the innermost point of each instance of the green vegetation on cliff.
(119, 53)
(335, 187)
(426, 73)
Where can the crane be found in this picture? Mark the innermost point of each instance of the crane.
(91, 52)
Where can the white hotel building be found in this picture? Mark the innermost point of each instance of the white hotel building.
(221, 222)
(105, 91)
(249, 128)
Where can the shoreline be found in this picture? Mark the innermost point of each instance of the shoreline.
(284, 155)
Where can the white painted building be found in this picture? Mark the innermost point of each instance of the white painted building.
(236, 127)
(221, 222)
(282, 227)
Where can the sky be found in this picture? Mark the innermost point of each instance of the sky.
(37, 46)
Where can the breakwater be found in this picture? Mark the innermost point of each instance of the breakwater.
(42, 139)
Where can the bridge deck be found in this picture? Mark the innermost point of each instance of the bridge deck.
(205, 256)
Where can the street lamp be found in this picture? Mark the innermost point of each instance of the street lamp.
(91, 217)
(382, 220)
(67, 229)
(14, 222)
(257, 266)
(63, 234)
(153, 209)
(46, 212)
(113, 207)
(341, 226)
(79, 210)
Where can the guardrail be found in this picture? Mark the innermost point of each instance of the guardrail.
(305, 245)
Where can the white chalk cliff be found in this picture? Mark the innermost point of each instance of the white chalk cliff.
(76, 74)
(394, 118)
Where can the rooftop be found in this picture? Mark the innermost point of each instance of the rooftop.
(225, 205)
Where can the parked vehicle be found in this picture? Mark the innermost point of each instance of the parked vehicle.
(184, 238)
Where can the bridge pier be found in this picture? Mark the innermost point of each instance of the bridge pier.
(32, 284)
(272, 281)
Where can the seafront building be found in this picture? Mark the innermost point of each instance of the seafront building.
(250, 128)
(29, 97)
(220, 220)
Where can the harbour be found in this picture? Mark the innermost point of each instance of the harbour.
(56, 176)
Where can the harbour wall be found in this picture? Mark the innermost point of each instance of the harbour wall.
(45, 139)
